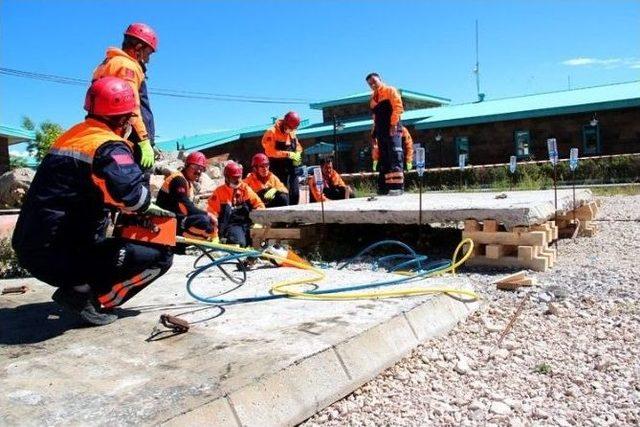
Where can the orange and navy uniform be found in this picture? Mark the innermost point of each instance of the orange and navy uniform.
(234, 197)
(60, 236)
(119, 64)
(407, 145)
(258, 185)
(176, 195)
(277, 144)
(330, 182)
(386, 107)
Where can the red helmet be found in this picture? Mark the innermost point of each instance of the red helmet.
(233, 170)
(196, 158)
(110, 96)
(259, 159)
(292, 120)
(144, 33)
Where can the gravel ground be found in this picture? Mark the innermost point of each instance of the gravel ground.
(571, 358)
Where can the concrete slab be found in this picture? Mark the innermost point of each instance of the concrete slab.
(268, 363)
(518, 208)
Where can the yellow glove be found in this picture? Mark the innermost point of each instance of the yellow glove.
(148, 156)
(215, 240)
(270, 194)
(296, 157)
(375, 165)
(155, 210)
(409, 166)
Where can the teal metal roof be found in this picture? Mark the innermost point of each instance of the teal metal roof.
(364, 97)
(326, 148)
(620, 95)
(214, 139)
(16, 135)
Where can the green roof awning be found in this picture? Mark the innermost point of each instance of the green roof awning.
(326, 148)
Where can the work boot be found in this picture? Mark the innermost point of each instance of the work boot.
(83, 305)
(396, 192)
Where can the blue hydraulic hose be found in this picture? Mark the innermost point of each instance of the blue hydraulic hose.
(434, 267)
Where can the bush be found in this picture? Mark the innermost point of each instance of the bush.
(536, 176)
(9, 268)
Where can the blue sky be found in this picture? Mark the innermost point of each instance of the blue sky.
(312, 50)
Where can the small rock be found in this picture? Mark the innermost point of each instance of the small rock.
(462, 367)
(501, 353)
(552, 309)
(476, 405)
(499, 408)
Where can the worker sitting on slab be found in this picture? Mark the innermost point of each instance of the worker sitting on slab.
(285, 152)
(334, 187)
(407, 146)
(60, 236)
(386, 107)
(231, 203)
(176, 195)
(130, 64)
(265, 183)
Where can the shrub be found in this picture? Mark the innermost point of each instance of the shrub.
(9, 267)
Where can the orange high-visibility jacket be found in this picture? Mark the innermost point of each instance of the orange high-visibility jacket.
(277, 144)
(233, 196)
(388, 94)
(272, 181)
(330, 181)
(119, 64)
(407, 144)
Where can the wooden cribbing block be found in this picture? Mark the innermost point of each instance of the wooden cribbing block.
(535, 264)
(534, 238)
(490, 225)
(471, 225)
(544, 227)
(495, 251)
(512, 277)
(526, 253)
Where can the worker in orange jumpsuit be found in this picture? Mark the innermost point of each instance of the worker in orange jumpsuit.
(265, 183)
(130, 64)
(176, 195)
(285, 152)
(60, 236)
(334, 187)
(407, 145)
(231, 203)
(386, 107)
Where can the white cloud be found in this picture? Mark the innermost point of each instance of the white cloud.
(15, 153)
(606, 63)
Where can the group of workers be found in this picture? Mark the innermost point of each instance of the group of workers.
(100, 166)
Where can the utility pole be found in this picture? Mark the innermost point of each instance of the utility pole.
(477, 68)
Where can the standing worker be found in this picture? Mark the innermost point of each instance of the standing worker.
(386, 107)
(60, 234)
(231, 203)
(407, 145)
(334, 187)
(266, 184)
(130, 64)
(176, 195)
(285, 152)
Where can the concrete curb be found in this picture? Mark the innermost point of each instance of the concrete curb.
(295, 393)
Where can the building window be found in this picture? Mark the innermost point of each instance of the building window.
(522, 140)
(462, 147)
(591, 139)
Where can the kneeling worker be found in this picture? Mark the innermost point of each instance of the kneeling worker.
(60, 236)
(176, 195)
(266, 184)
(334, 187)
(231, 203)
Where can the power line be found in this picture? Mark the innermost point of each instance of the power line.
(72, 81)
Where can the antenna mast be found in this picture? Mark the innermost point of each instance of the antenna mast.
(477, 69)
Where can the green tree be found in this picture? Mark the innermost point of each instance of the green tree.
(46, 133)
(16, 162)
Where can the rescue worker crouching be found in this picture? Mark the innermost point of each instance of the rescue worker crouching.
(231, 203)
(60, 236)
(386, 107)
(265, 183)
(334, 187)
(130, 63)
(285, 152)
(176, 195)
